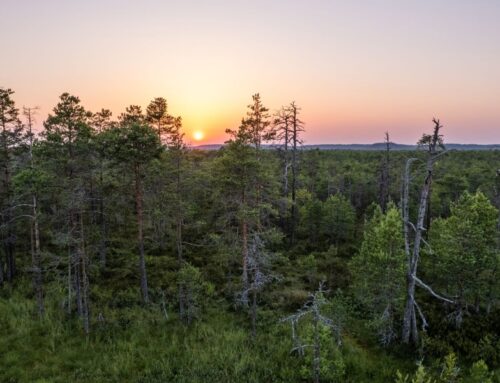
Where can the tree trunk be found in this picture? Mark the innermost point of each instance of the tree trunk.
(254, 313)
(244, 252)
(84, 279)
(384, 192)
(1, 271)
(293, 217)
(317, 348)
(102, 222)
(6, 205)
(178, 238)
(410, 329)
(70, 281)
(140, 235)
(36, 260)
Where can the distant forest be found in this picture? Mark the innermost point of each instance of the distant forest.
(126, 256)
(375, 146)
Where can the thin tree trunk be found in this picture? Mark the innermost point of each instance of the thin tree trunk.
(244, 251)
(140, 235)
(385, 176)
(1, 271)
(9, 239)
(70, 281)
(254, 313)
(293, 217)
(84, 279)
(36, 260)
(178, 238)
(410, 329)
(317, 348)
(78, 282)
(102, 222)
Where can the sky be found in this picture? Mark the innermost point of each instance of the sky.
(357, 68)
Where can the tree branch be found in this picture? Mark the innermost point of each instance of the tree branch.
(429, 289)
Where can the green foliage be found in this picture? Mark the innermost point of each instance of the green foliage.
(332, 363)
(133, 143)
(420, 376)
(104, 188)
(464, 245)
(450, 371)
(339, 219)
(479, 373)
(378, 272)
(192, 290)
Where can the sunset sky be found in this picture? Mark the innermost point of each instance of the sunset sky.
(357, 68)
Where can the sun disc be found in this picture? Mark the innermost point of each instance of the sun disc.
(198, 135)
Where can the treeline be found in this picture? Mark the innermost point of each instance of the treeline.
(395, 251)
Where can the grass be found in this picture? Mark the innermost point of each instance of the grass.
(136, 344)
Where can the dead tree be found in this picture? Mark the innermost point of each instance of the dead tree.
(312, 308)
(259, 273)
(435, 148)
(287, 130)
(384, 183)
(283, 133)
(296, 141)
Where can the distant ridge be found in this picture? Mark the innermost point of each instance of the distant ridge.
(375, 146)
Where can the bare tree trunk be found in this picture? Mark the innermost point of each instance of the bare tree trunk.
(428, 219)
(410, 329)
(178, 238)
(84, 278)
(254, 313)
(70, 281)
(180, 260)
(384, 191)
(78, 282)
(9, 236)
(293, 217)
(317, 348)
(1, 271)
(9, 250)
(140, 235)
(244, 252)
(36, 257)
(102, 222)
(36, 260)
(297, 127)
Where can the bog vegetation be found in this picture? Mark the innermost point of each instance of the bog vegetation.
(128, 257)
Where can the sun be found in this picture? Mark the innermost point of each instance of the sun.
(198, 135)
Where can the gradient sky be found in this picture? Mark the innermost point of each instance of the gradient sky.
(356, 67)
